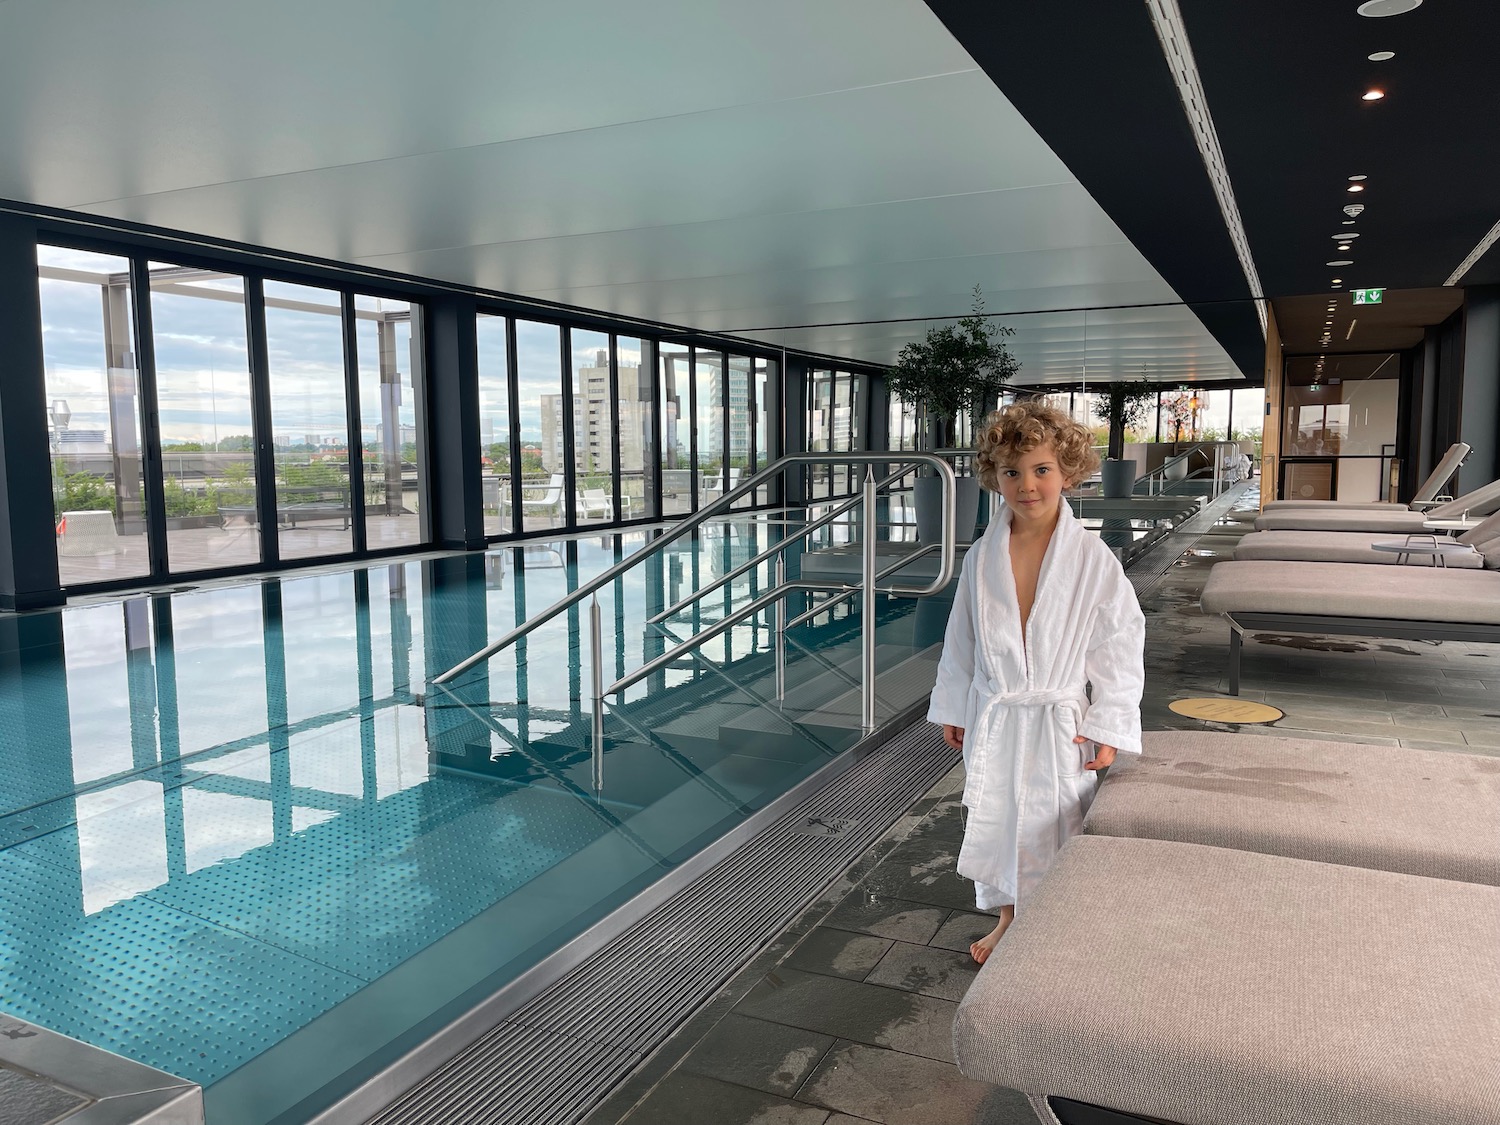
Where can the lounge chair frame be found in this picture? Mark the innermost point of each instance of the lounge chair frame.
(1241, 623)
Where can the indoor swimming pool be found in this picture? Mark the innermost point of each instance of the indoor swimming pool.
(244, 840)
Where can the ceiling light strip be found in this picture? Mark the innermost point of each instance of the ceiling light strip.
(1167, 19)
(1474, 255)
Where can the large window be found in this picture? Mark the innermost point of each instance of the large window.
(637, 428)
(94, 415)
(494, 424)
(309, 420)
(740, 420)
(206, 422)
(389, 420)
(593, 428)
(676, 446)
(543, 427)
(171, 452)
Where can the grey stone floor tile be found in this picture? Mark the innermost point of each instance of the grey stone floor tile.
(898, 1089)
(690, 1099)
(962, 930)
(886, 916)
(865, 1013)
(845, 1119)
(771, 1057)
(919, 871)
(839, 953)
(1449, 747)
(923, 968)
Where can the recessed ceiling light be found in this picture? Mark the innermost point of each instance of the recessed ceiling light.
(1372, 95)
(1355, 187)
(1377, 8)
(1339, 262)
(1348, 222)
(1345, 236)
(1359, 177)
(1381, 56)
(1353, 210)
(1338, 281)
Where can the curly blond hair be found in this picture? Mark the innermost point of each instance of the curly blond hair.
(1020, 428)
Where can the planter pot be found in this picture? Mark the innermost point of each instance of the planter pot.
(1116, 478)
(927, 500)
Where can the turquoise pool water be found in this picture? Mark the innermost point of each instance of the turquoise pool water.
(242, 841)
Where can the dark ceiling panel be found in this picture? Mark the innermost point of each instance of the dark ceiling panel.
(1090, 79)
(1283, 80)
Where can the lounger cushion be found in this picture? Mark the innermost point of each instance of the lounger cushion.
(1197, 984)
(1408, 593)
(1333, 506)
(1395, 522)
(1423, 812)
(1338, 546)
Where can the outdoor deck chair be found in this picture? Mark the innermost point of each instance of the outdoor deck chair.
(1353, 600)
(594, 503)
(550, 502)
(1361, 546)
(1480, 502)
(1425, 496)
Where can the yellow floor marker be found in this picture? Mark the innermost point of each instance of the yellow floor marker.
(1217, 709)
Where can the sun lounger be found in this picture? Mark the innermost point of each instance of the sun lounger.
(1423, 498)
(1348, 599)
(1173, 982)
(1480, 502)
(1371, 547)
(1420, 812)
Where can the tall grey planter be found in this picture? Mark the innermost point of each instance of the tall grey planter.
(1116, 478)
(927, 499)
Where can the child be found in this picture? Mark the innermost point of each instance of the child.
(1042, 659)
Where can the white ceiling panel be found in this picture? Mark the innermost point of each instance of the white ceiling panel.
(727, 167)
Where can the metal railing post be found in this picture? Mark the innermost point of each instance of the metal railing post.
(596, 647)
(867, 639)
(780, 630)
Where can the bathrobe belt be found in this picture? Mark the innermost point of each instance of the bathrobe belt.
(994, 700)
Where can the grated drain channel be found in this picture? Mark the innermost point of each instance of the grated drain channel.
(558, 1055)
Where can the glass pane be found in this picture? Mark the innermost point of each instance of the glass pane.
(766, 450)
(389, 429)
(843, 429)
(819, 423)
(593, 429)
(676, 479)
(494, 424)
(707, 376)
(309, 420)
(203, 402)
(539, 378)
(637, 427)
(94, 415)
(1247, 419)
(739, 467)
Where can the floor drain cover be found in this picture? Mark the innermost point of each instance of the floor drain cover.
(823, 826)
(1219, 710)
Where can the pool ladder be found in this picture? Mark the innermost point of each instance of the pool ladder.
(834, 592)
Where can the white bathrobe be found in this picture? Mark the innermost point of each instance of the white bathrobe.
(1079, 672)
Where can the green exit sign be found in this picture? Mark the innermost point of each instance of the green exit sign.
(1368, 296)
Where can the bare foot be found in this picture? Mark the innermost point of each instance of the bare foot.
(981, 949)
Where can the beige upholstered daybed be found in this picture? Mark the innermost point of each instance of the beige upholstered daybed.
(1275, 961)
(1425, 497)
(1349, 599)
(1480, 502)
(1361, 546)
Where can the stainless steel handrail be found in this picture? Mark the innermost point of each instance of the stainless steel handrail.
(775, 596)
(722, 504)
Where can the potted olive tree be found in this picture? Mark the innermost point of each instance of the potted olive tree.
(1121, 405)
(955, 370)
